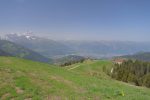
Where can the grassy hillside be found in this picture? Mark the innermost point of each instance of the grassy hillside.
(26, 80)
(22, 52)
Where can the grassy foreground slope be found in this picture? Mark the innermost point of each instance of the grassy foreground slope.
(26, 80)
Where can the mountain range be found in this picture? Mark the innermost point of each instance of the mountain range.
(44, 46)
(96, 49)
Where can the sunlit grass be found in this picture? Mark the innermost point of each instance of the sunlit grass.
(22, 79)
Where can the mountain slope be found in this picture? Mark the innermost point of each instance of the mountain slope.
(144, 56)
(46, 47)
(24, 80)
(19, 51)
(3, 53)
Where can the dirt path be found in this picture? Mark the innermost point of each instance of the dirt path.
(74, 67)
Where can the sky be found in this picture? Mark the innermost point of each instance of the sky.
(126, 20)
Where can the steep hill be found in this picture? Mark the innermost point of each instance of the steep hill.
(13, 49)
(26, 80)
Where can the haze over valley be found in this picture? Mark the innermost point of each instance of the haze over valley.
(74, 50)
(95, 49)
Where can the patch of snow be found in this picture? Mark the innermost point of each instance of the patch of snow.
(28, 37)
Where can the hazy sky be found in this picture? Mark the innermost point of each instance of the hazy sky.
(78, 19)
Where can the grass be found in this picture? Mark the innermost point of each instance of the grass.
(26, 80)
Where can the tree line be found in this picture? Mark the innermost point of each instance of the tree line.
(135, 72)
(70, 62)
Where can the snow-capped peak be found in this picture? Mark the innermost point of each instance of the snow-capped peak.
(27, 35)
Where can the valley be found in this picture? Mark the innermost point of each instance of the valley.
(95, 49)
(74, 50)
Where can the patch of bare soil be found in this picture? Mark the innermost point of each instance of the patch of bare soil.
(19, 90)
(5, 96)
(54, 98)
(28, 99)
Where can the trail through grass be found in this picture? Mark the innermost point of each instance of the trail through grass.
(74, 67)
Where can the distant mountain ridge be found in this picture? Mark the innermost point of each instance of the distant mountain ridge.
(95, 49)
(144, 56)
(107, 49)
(46, 47)
(8, 48)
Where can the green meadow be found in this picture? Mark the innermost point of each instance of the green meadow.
(27, 80)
